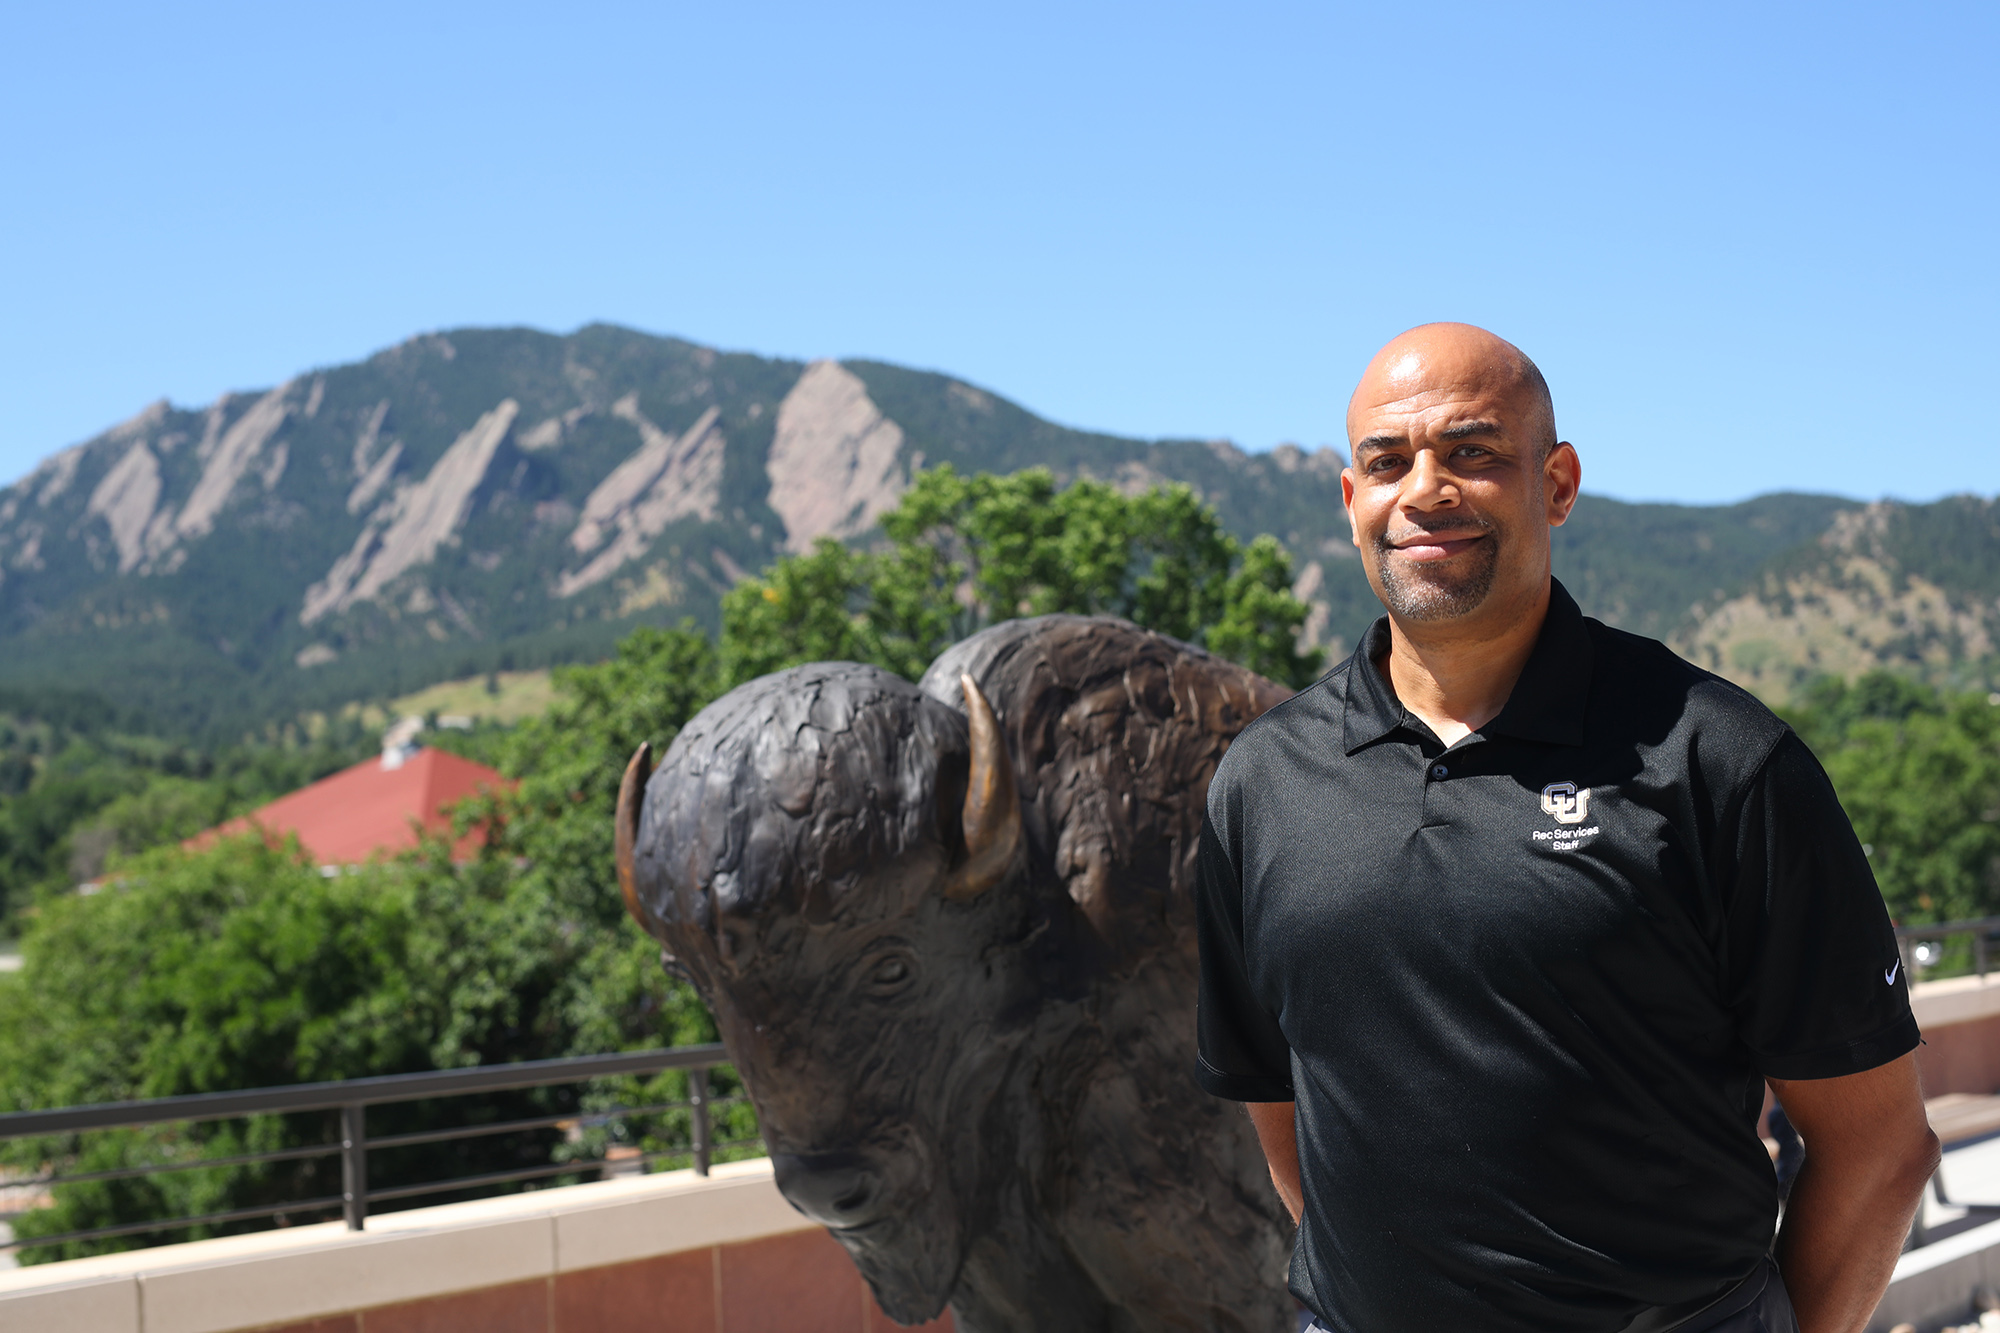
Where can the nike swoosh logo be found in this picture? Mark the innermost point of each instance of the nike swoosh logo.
(1889, 976)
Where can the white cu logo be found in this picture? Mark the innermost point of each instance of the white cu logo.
(1566, 802)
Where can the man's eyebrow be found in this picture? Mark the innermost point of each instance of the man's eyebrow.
(1466, 430)
(1383, 440)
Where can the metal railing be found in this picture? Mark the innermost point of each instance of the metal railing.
(1910, 941)
(352, 1098)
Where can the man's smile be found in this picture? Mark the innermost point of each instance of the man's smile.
(1429, 547)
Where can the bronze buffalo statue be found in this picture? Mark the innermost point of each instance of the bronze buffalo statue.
(946, 932)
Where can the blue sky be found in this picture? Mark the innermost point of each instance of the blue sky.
(1753, 247)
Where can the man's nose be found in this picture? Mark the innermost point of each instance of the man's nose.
(834, 1189)
(1428, 484)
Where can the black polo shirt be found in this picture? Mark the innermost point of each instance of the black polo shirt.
(1524, 989)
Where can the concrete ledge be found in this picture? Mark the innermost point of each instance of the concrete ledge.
(1957, 1000)
(304, 1273)
(1960, 1019)
(1934, 1284)
(85, 1305)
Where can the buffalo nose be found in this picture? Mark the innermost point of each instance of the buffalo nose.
(834, 1189)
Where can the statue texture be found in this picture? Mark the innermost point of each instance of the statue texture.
(947, 933)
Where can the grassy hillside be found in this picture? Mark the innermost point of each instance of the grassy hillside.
(1907, 588)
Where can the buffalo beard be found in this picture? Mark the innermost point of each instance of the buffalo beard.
(1413, 593)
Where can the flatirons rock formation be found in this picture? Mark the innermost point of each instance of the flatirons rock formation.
(491, 497)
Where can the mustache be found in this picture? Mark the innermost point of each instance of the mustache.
(1464, 527)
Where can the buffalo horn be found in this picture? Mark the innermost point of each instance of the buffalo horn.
(626, 837)
(992, 815)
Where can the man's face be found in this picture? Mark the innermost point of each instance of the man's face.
(1450, 494)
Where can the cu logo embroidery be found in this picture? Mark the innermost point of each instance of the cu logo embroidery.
(1566, 803)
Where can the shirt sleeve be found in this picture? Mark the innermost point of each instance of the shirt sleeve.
(1813, 973)
(1243, 1053)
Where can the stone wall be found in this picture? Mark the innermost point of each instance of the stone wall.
(667, 1253)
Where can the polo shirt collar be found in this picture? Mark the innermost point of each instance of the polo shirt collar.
(1372, 709)
(1548, 700)
(1546, 705)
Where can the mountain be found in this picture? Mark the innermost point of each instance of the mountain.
(487, 499)
(493, 498)
(1914, 588)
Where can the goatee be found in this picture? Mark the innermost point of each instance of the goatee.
(1434, 593)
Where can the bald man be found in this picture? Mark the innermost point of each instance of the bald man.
(1508, 921)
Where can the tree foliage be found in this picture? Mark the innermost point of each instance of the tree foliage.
(244, 966)
(73, 794)
(1918, 772)
(248, 968)
(806, 608)
(965, 552)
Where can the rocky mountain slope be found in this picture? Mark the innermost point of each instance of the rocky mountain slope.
(1915, 588)
(490, 498)
(486, 499)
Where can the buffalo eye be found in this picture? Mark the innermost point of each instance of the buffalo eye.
(889, 974)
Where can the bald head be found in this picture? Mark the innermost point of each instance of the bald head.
(1438, 362)
(1456, 477)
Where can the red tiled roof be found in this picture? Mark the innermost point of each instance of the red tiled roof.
(368, 810)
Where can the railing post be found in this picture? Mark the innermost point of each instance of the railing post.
(698, 1113)
(1979, 950)
(354, 1165)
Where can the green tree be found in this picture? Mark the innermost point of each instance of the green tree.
(968, 552)
(1260, 620)
(965, 552)
(37, 825)
(71, 797)
(802, 610)
(568, 762)
(242, 966)
(1918, 773)
(248, 968)
(553, 834)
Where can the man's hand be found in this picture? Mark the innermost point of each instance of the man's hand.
(1277, 1134)
(1869, 1154)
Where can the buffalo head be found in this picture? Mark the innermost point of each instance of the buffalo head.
(827, 854)
(952, 955)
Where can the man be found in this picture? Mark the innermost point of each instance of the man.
(1507, 922)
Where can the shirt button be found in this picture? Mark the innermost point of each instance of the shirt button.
(1440, 771)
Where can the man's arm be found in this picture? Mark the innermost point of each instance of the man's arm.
(1278, 1136)
(1869, 1154)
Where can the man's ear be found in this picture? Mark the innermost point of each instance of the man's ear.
(1562, 478)
(1347, 503)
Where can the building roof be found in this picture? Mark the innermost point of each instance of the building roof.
(373, 808)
